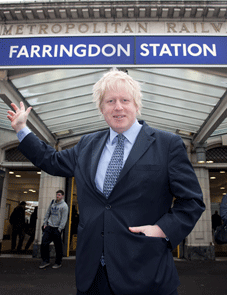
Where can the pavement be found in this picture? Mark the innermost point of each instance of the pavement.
(20, 275)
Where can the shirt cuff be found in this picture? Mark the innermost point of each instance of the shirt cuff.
(23, 133)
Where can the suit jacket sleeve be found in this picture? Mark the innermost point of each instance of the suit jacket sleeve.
(47, 158)
(188, 205)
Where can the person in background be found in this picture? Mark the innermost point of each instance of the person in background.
(74, 223)
(223, 209)
(32, 226)
(216, 220)
(127, 178)
(17, 220)
(53, 224)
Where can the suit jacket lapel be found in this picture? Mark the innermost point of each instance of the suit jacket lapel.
(142, 143)
(97, 148)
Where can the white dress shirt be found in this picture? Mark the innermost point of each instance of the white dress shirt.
(130, 135)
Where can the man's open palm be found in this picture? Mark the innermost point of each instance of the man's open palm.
(19, 116)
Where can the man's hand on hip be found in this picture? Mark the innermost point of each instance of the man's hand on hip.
(149, 231)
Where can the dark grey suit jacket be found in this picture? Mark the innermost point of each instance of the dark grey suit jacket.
(157, 169)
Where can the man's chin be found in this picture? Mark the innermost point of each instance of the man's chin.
(119, 129)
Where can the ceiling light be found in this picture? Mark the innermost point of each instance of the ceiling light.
(210, 162)
(11, 172)
(64, 132)
(39, 172)
(201, 155)
(25, 192)
(212, 177)
(224, 194)
(184, 132)
(222, 171)
(222, 187)
(17, 175)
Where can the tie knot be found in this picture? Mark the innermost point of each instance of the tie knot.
(120, 137)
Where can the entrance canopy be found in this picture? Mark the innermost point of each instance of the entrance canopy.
(191, 102)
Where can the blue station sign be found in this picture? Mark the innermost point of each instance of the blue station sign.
(113, 50)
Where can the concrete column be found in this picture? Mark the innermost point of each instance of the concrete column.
(199, 244)
(3, 205)
(47, 192)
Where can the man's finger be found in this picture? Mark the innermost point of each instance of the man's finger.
(28, 110)
(10, 118)
(14, 106)
(11, 113)
(137, 229)
(22, 106)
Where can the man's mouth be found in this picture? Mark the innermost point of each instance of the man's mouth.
(119, 117)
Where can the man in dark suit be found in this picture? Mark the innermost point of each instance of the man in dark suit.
(126, 233)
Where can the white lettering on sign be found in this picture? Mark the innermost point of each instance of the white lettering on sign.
(60, 50)
(177, 49)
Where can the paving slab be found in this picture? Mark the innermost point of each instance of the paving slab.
(20, 275)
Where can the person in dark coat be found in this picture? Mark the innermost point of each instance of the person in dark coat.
(223, 209)
(216, 220)
(74, 223)
(32, 226)
(17, 220)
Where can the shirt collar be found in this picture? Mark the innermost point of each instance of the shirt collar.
(130, 134)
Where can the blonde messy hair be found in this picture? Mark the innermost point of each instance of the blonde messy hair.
(115, 80)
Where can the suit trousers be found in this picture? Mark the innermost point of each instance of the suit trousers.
(51, 234)
(17, 232)
(101, 285)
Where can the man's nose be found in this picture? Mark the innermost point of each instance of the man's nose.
(118, 105)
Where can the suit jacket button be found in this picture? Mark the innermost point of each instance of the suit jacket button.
(102, 233)
(108, 206)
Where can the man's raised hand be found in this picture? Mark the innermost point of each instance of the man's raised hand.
(18, 117)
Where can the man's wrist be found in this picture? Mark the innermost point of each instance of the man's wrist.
(23, 133)
(19, 128)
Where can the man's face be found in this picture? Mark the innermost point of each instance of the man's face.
(59, 197)
(119, 109)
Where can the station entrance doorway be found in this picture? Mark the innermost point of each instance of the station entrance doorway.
(23, 185)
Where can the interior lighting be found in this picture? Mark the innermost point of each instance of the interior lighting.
(63, 132)
(222, 187)
(210, 162)
(184, 132)
(224, 194)
(11, 172)
(212, 177)
(39, 172)
(18, 175)
(25, 192)
(222, 171)
(201, 155)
